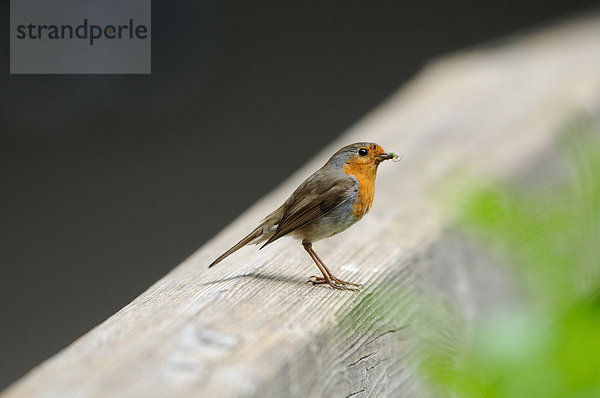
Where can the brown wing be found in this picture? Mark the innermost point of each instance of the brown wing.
(311, 200)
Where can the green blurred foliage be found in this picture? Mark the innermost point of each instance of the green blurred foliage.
(550, 345)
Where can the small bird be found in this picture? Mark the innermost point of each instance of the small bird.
(328, 202)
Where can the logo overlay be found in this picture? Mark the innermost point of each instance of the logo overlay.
(83, 37)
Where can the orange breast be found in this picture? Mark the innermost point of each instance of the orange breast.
(365, 174)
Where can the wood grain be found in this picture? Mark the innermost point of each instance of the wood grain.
(252, 327)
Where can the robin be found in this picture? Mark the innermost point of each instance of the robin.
(328, 202)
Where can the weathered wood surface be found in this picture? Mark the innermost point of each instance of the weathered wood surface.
(253, 327)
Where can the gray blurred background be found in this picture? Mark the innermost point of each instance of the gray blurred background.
(108, 182)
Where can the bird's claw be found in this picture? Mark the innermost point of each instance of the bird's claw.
(334, 282)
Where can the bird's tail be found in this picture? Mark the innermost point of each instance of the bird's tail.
(252, 237)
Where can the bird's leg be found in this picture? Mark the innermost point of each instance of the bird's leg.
(327, 278)
(333, 278)
(314, 279)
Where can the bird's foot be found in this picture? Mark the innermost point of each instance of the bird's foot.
(341, 282)
(333, 282)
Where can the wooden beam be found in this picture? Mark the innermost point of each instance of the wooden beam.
(252, 326)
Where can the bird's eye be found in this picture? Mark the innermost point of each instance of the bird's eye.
(363, 152)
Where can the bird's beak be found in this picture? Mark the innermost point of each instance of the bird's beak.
(384, 156)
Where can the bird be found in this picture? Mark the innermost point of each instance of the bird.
(328, 202)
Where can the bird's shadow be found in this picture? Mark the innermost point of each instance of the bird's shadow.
(269, 277)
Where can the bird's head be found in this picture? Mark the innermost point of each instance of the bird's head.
(361, 155)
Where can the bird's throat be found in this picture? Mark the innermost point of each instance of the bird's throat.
(365, 175)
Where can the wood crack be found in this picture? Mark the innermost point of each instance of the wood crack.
(386, 332)
(376, 365)
(354, 393)
(360, 359)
